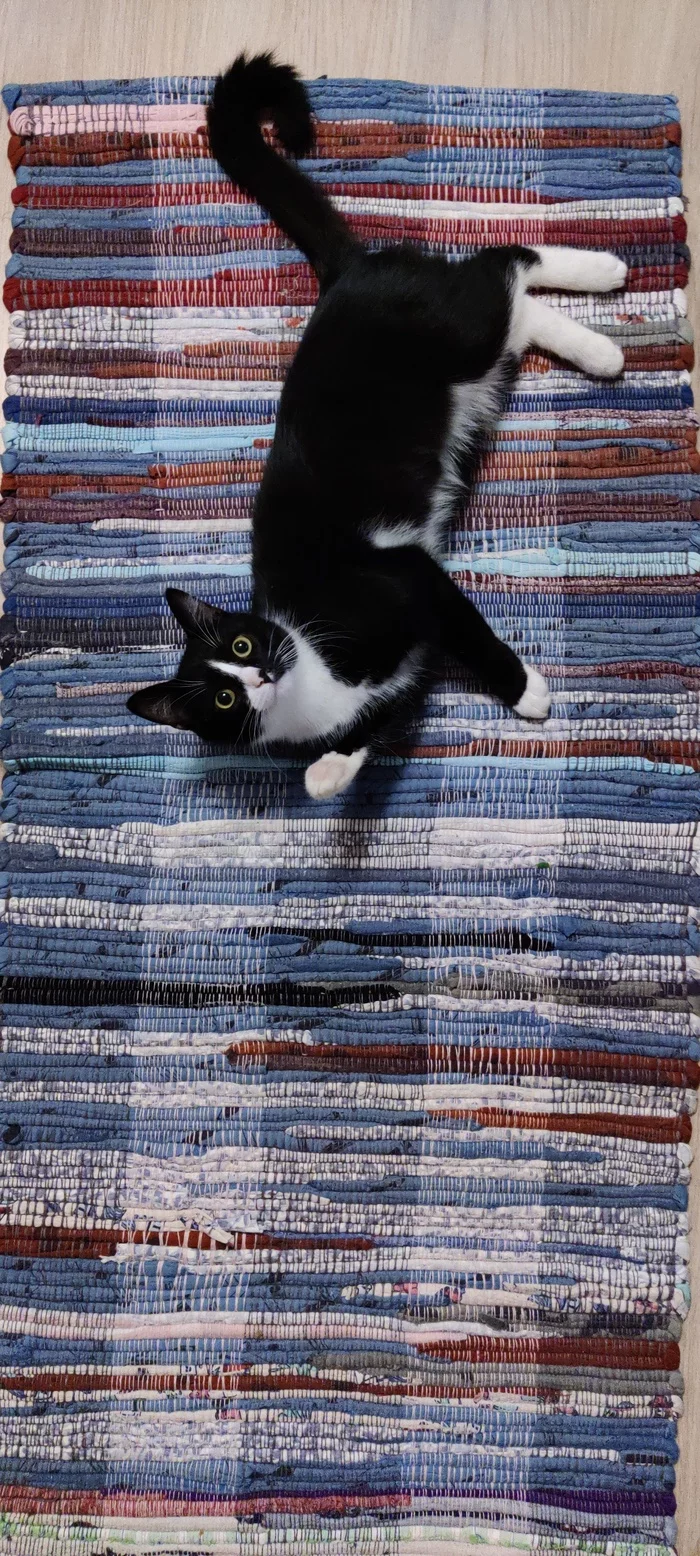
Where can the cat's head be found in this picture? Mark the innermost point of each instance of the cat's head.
(227, 677)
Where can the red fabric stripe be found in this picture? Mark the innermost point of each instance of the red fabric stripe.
(154, 1504)
(255, 359)
(582, 232)
(235, 1383)
(221, 192)
(652, 750)
(334, 138)
(410, 1058)
(560, 1351)
(617, 1125)
(290, 285)
(98, 1242)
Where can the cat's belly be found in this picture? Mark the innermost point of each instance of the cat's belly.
(474, 406)
(427, 533)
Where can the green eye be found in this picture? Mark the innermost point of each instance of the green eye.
(242, 648)
(225, 699)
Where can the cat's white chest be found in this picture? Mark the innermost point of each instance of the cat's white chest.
(310, 701)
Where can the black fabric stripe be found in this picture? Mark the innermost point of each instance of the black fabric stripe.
(187, 996)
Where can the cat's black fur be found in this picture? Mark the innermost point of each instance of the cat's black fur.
(360, 442)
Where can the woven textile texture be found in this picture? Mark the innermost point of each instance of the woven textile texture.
(344, 1146)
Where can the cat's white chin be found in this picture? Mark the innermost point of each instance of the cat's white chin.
(263, 697)
(536, 699)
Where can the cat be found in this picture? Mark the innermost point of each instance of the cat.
(403, 367)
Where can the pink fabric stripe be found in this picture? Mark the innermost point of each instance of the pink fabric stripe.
(87, 118)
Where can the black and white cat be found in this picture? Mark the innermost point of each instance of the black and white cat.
(404, 365)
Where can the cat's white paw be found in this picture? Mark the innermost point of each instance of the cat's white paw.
(606, 272)
(600, 356)
(332, 773)
(536, 699)
(578, 270)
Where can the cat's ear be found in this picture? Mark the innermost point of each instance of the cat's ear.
(162, 704)
(195, 616)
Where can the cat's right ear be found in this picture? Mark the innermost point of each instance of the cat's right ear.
(196, 617)
(162, 704)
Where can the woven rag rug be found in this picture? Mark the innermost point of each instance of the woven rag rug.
(345, 1146)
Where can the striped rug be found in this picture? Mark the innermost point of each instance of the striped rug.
(345, 1146)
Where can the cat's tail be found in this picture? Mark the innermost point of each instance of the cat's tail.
(251, 91)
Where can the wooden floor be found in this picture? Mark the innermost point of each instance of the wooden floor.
(609, 45)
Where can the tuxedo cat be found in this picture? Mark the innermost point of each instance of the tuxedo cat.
(404, 365)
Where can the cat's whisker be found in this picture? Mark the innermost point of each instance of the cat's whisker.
(207, 636)
(185, 697)
(283, 660)
(263, 746)
(250, 718)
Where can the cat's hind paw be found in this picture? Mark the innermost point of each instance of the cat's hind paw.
(601, 357)
(536, 698)
(605, 271)
(332, 773)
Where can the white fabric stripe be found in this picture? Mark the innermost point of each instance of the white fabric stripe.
(58, 385)
(328, 1436)
(66, 1325)
(331, 1540)
(450, 841)
(640, 1229)
(117, 326)
(298, 915)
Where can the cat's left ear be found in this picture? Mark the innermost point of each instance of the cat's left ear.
(195, 616)
(162, 704)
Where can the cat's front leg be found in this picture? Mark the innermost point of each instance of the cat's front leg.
(332, 773)
(376, 729)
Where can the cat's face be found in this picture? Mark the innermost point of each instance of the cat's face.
(227, 677)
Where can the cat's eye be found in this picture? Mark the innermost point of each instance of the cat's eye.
(225, 698)
(242, 648)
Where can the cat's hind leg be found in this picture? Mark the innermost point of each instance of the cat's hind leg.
(535, 701)
(576, 270)
(455, 626)
(554, 331)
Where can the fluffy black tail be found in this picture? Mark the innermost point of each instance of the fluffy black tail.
(258, 89)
